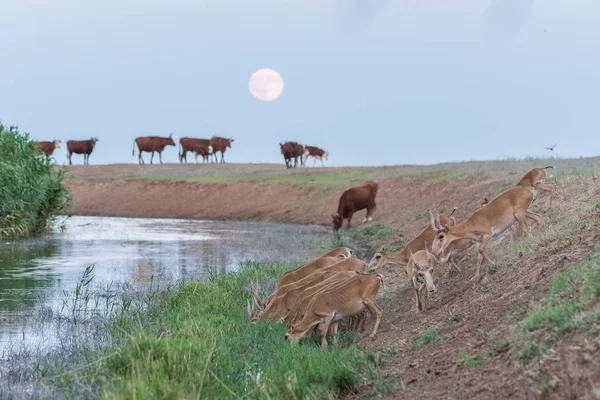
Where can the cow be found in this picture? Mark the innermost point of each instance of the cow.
(220, 144)
(204, 151)
(353, 200)
(84, 147)
(315, 152)
(187, 144)
(292, 150)
(47, 148)
(151, 144)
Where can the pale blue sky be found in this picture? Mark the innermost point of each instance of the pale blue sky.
(391, 82)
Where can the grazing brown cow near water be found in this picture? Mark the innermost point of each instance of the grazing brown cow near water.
(315, 152)
(220, 144)
(187, 144)
(353, 200)
(84, 147)
(47, 148)
(152, 144)
(292, 150)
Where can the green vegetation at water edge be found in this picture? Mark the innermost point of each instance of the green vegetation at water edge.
(369, 236)
(31, 191)
(199, 343)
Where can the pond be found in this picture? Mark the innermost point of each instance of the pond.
(42, 272)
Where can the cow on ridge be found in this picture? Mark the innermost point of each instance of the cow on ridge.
(187, 144)
(202, 150)
(315, 152)
(84, 147)
(47, 148)
(151, 144)
(220, 144)
(353, 200)
(292, 150)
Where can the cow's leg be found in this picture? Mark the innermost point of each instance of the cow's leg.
(69, 158)
(222, 157)
(152, 158)
(160, 156)
(350, 214)
(140, 159)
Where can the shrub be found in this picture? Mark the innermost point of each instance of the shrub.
(32, 194)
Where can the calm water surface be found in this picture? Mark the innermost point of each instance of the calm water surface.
(42, 271)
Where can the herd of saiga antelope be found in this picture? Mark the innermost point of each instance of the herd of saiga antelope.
(199, 147)
(339, 287)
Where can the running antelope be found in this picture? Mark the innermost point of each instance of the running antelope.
(420, 270)
(489, 221)
(535, 179)
(346, 300)
(427, 235)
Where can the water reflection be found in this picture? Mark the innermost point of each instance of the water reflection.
(38, 272)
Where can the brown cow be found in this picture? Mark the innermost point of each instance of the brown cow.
(353, 200)
(151, 144)
(220, 144)
(315, 152)
(47, 148)
(204, 151)
(187, 144)
(84, 147)
(292, 150)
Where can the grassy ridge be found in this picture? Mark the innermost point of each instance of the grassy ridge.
(31, 191)
(198, 343)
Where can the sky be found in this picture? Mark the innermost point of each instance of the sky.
(376, 82)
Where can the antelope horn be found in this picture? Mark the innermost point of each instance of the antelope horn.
(249, 310)
(454, 209)
(412, 256)
(428, 256)
(437, 220)
(433, 224)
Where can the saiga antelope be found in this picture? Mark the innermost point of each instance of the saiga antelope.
(489, 221)
(420, 270)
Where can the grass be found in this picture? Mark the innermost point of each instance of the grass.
(198, 343)
(369, 236)
(32, 194)
(466, 360)
(424, 338)
(570, 303)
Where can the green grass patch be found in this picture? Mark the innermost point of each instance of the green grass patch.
(570, 303)
(370, 236)
(198, 343)
(467, 360)
(424, 338)
(444, 176)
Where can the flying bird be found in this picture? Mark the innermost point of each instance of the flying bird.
(551, 148)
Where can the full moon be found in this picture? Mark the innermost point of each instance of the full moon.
(266, 84)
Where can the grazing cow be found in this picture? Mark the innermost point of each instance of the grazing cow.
(151, 144)
(292, 150)
(220, 144)
(204, 151)
(187, 144)
(47, 148)
(353, 200)
(315, 152)
(84, 147)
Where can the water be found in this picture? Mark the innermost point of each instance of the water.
(39, 273)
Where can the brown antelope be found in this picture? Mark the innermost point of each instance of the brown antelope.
(303, 271)
(489, 221)
(280, 302)
(535, 179)
(420, 270)
(346, 300)
(427, 235)
(296, 313)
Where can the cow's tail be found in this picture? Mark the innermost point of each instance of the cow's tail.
(133, 150)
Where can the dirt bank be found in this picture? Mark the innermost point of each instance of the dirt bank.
(400, 201)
